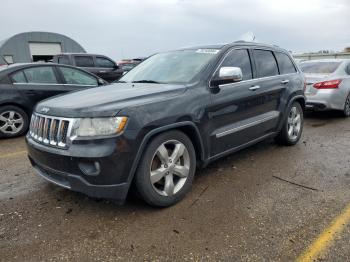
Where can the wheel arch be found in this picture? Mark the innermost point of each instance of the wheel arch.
(296, 98)
(27, 110)
(187, 127)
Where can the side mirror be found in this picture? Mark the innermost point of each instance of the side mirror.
(227, 75)
(115, 66)
(348, 69)
(101, 82)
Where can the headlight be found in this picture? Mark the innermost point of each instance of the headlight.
(85, 127)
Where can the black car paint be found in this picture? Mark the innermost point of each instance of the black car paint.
(198, 109)
(26, 96)
(108, 74)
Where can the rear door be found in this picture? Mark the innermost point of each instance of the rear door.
(37, 83)
(76, 79)
(273, 85)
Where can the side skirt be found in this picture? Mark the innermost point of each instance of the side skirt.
(235, 149)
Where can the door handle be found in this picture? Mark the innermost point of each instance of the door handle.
(286, 81)
(253, 88)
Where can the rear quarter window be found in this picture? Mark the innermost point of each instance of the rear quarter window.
(285, 64)
(266, 63)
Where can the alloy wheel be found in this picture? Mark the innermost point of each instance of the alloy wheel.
(294, 123)
(170, 168)
(11, 122)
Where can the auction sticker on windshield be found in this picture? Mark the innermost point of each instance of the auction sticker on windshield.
(207, 51)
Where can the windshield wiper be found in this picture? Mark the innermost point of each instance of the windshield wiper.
(119, 81)
(146, 81)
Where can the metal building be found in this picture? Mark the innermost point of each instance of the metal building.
(36, 46)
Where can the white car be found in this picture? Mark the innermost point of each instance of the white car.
(327, 84)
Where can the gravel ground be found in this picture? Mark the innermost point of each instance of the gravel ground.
(239, 208)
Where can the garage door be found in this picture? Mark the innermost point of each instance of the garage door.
(45, 48)
(44, 51)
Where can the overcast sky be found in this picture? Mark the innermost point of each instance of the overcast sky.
(131, 28)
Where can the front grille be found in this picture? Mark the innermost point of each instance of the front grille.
(52, 131)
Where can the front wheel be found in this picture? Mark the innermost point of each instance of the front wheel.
(13, 121)
(166, 170)
(292, 127)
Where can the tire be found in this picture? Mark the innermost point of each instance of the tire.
(172, 173)
(292, 127)
(346, 111)
(13, 121)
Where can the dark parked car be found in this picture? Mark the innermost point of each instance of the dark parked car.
(22, 86)
(174, 112)
(99, 65)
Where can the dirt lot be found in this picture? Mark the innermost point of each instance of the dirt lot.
(238, 209)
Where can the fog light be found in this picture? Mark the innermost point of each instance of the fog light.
(90, 168)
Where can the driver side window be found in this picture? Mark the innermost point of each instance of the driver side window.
(239, 58)
(76, 77)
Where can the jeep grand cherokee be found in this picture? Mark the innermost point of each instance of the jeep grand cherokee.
(174, 112)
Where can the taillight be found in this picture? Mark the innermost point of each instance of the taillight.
(330, 84)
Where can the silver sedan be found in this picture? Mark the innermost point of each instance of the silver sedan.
(327, 84)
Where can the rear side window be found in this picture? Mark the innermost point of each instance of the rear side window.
(84, 61)
(285, 65)
(63, 60)
(40, 75)
(319, 67)
(18, 78)
(239, 58)
(265, 63)
(77, 77)
(104, 62)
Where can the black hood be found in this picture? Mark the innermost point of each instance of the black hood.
(107, 100)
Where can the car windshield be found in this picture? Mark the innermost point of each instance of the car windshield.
(319, 67)
(175, 67)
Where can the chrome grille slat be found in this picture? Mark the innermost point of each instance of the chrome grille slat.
(52, 131)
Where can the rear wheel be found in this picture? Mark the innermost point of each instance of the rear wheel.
(292, 127)
(13, 121)
(346, 110)
(166, 170)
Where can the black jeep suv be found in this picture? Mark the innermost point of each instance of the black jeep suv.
(174, 112)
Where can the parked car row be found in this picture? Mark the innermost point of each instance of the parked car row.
(127, 64)
(174, 112)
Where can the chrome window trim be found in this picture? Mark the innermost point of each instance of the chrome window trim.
(253, 79)
(77, 85)
(257, 79)
(41, 84)
(51, 84)
(245, 126)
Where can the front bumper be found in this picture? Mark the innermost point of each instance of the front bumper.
(98, 169)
